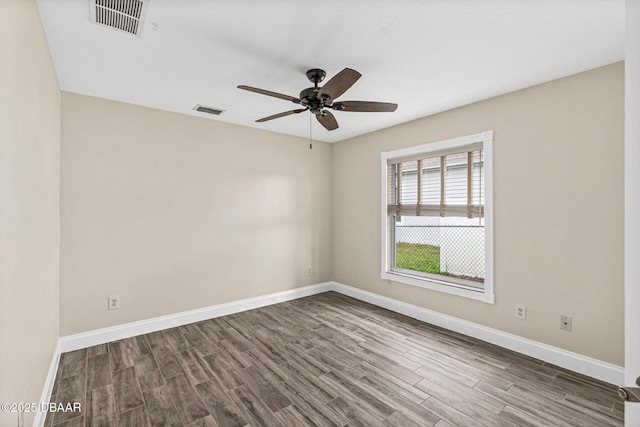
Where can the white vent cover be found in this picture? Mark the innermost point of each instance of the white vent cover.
(208, 110)
(123, 15)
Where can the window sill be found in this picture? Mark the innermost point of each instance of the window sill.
(441, 286)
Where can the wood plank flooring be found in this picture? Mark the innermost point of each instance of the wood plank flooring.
(325, 360)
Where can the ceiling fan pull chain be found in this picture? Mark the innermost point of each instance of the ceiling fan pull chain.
(310, 128)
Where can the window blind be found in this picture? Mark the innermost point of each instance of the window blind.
(446, 185)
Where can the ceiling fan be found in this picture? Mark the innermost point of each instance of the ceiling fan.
(319, 99)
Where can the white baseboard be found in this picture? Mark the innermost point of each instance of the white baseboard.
(566, 359)
(48, 386)
(128, 330)
(585, 365)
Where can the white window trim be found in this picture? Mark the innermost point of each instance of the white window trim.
(487, 294)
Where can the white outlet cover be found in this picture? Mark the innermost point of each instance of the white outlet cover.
(113, 302)
(566, 323)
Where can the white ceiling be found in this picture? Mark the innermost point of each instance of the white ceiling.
(425, 55)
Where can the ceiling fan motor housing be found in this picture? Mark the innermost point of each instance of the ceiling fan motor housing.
(309, 98)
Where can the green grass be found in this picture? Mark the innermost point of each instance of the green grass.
(418, 257)
(425, 258)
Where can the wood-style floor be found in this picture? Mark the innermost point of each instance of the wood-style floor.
(325, 360)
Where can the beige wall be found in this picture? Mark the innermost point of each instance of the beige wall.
(558, 172)
(29, 205)
(173, 212)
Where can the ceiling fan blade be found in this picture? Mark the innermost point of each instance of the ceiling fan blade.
(365, 106)
(277, 116)
(339, 83)
(270, 93)
(327, 120)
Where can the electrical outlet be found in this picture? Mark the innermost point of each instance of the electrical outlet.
(113, 302)
(521, 311)
(565, 323)
(309, 271)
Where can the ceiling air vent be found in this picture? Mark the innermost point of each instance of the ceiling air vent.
(123, 15)
(208, 110)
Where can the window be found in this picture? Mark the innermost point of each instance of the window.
(437, 216)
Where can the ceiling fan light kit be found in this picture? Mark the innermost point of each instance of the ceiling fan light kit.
(318, 99)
